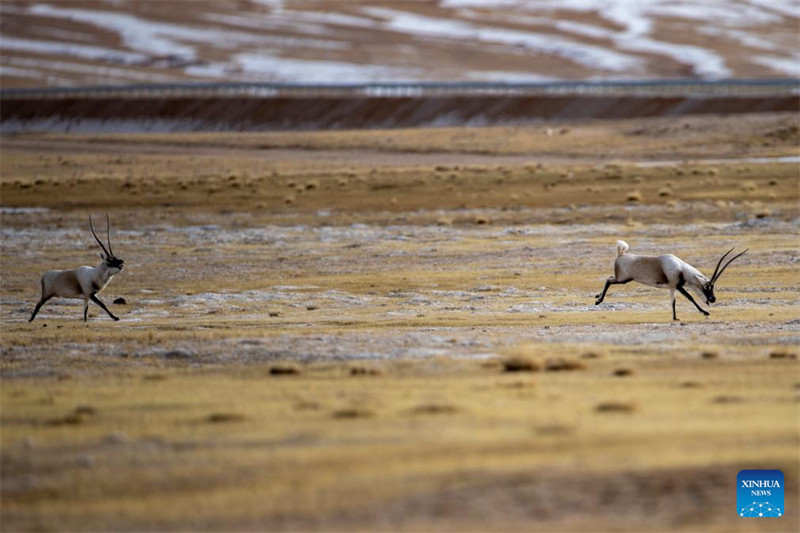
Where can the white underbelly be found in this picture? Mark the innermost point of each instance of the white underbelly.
(655, 284)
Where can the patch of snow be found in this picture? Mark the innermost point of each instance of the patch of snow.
(274, 68)
(739, 36)
(583, 54)
(637, 19)
(335, 19)
(704, 63)
(99, 71)
(270, 24)
(273, 22)
(523, 308)
(20, 72)
(522, 6)
(84, 51)
(212, 70)
(23, 210)
(754, 160)
(586, 30)
(742, 15)
(789, 8)
(789, 66)
(150, 37)
(628, 15)
(274, 4)
(508, 76)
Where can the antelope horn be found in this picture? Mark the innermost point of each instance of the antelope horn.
(721, 259)
(108, 234)
(95, 237)
(717, 275)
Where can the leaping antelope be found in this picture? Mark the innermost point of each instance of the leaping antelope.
(665, 272)
(82, 282)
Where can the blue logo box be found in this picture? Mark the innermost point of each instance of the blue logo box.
(759, 494)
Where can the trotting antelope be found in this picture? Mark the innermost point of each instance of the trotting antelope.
(665, 272)
(82, 282)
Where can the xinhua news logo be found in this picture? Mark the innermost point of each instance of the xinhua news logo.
(759, 494)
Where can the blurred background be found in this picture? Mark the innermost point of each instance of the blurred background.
(99, 42)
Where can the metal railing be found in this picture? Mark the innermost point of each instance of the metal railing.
(669, 87)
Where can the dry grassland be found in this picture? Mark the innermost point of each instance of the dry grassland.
(396, 330)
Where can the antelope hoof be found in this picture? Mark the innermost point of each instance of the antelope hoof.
(116, 319)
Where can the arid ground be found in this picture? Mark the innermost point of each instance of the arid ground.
(396, 330)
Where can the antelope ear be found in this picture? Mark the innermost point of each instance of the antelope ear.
(702, 279)
(102, 256)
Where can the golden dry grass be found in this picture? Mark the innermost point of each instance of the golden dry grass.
(252, 447)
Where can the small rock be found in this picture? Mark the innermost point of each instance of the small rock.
(220, 418)
(365, 371)
(352, 413)
(85, 410)
(520, 364)
(634, 196)
(120, 301)
(615, 407)
(727, 399)
(284, 370)
(434, 409)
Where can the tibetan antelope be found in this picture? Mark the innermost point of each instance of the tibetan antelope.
(665, 272)
(82, 282)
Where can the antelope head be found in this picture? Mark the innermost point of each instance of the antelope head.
(112, 262)
(708, 285)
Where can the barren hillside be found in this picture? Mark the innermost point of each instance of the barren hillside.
(69, 43)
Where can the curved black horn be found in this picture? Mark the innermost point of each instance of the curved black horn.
(721, 259)
(108, 234)
(95, 236)
(717, 275)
